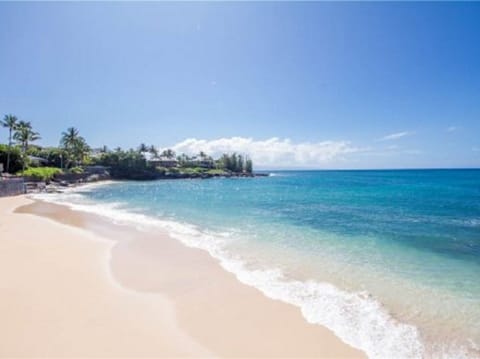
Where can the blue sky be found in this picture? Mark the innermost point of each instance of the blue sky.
(301, 85)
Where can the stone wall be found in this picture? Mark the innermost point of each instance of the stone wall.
(11, 187)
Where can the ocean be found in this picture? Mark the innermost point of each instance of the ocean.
(389, 260)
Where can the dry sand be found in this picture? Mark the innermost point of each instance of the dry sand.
(75, 285)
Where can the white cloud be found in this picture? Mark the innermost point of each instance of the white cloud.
(272, 152)
(476, 149)
(451, 129)
(396, 136)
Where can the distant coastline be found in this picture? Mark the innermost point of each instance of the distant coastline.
(74, 161)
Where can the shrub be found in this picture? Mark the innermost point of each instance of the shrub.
(41, 173)
(217, 172)
(172, 170)
(161, 170)
(193, 170)
(16, 161)
(76, 170)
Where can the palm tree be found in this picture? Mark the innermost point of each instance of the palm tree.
(24, 134)
(248, 165)
(69, 137)
(183, 159)
(153, 151)
(203, 156)
(168, 154)
(75, 145)
(10, 122)
(81, 149)
(143, 148)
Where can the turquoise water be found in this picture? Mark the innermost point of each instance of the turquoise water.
(389, 260)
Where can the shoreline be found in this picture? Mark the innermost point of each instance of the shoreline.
(213, 313)
(59, 185)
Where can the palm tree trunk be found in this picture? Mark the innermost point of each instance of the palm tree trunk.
(9, 149)
(25, 146)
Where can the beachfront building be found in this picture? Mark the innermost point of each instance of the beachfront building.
(98, 152)
(163, 162)
(38, 161)
(203, 163)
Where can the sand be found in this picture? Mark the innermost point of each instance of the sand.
(76, 285)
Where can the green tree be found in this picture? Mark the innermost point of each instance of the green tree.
(224, 162)
(10, 122)
(183, 160)
(203, 156)
(16, 158)
(24, 135)
(248, 165)
(53, 155)
(143, 148)
(240, 163)
(81, 150)
(75, 146)
(168, 153)
(127, 165)
(153, 151)
(233, 163)
(69, 137)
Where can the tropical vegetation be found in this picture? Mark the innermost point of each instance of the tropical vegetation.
(12, 156)
(10, 122)
(75, 147)
(21, 156)
(41, 173)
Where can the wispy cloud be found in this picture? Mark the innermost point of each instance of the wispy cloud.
(451, 129)
(273, 151)
(395, 136)
(476, 149)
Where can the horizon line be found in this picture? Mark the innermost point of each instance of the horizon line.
(366, 169)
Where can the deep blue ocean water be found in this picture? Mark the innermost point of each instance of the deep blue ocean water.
(389, 260)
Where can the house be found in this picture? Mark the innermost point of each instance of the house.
(163, 162)
(97, 152)
(38, 161)
(204, 163)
